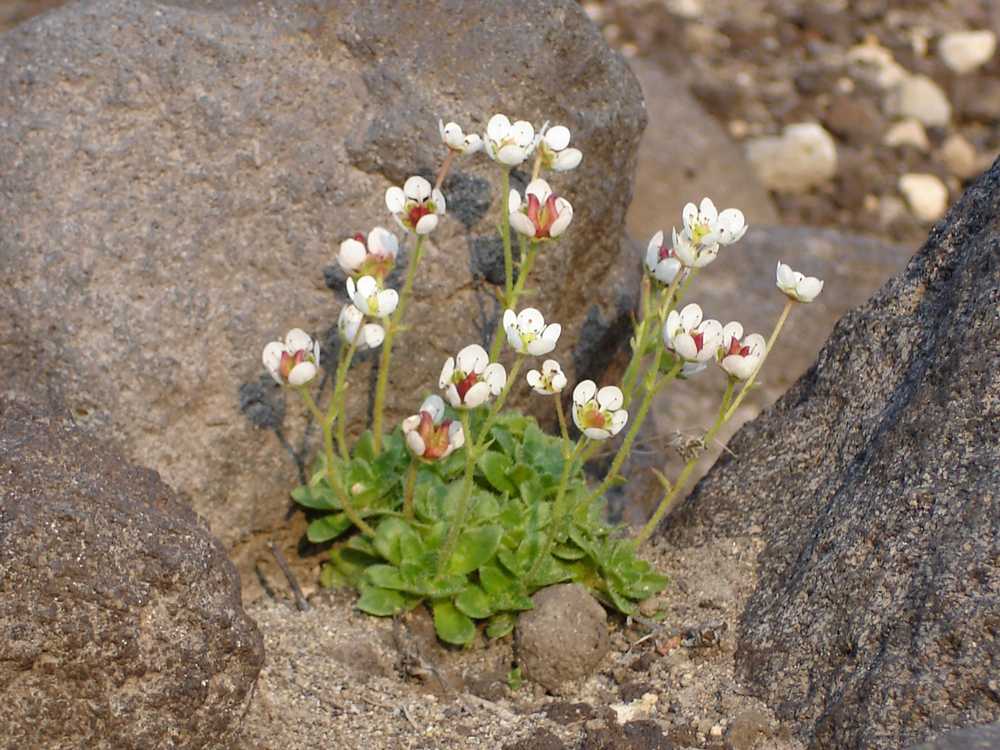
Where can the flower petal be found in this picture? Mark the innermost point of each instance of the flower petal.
(530, 320)
(539, 188)
(302, 373)
(618, 421)
(495, 376)
(395, 199)
(298, 340)
(511, 155)
(372, 335)
(446, 372)
(563, 219)
(557, 138)
(352, 254)
(434, 406)
(584, 392)
(610, 397)
(513, 201)
(472, 358)
(417, 188)
(415, 443)
(498, 127)
(690, 316)
(523, 133)
(521, 224)
(477, 395)
(567, 160)
(708, 211)
(426, 224)
(382, 242)
(595, 433)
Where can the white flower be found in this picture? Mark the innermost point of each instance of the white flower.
(295, 361)
(598, 413)
(549, 381)
(427, 436)
(661, 260)
(376, 258)
(542, 215)
(555, 154)
(705, 226)
(353, 329)
(469, 380)
(690, 337)
(416, 206)
(453, 137)
(509, 144)
(800, 288)
(692, 255)
(740, 356)
(528, 334)
(370, 298)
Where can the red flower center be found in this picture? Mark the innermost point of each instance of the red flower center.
(463, 385)
(699, 340)
(288, 362)
(666, 252)
(415, 214)
(435, 437)
(543, 216)
(735, 348)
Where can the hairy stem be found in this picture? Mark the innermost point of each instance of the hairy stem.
(411, 484)
(726, 411)
(508, 255)
(390, 335)
(458, 521)
(556, 521)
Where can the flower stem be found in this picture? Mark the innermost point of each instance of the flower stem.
(339, 393)
(458, 520)
(390, 334)
(508, 255)
(558, 511)
(510, 302)
(499, 402)
(331, 477)
(562, 424)
(411, 483)
(311, 404)
(642, 331)
(726, 411)
(443, 172)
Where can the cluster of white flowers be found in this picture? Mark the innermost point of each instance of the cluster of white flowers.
(686, 334)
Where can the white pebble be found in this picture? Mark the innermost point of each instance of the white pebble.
(926, 195)
(907, 133)
(922, 99)
(964, 51)
(804, 155)
(960, 157)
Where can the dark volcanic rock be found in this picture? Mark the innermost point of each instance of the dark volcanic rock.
(973, 738)
(876, 621)
(175, 177)
(120, 618)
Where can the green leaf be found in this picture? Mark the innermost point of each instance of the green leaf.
(568, 552)
(389, 539)
(505, 440)
(549, 572)
(328, 527)
(319, 497)
(485, 506)
(351, 564)
(474, 602)
(495, 580)
(386, 577)
(452, 626)
(500, 624)
(381, 602)
(515, 679)
(331, 578)
(365, 447)
(475, 547)
(495, 466)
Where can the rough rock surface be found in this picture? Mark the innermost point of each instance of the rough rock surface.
(563, 638)
(974, 738)
(175, 178)
(120, 617)
(875, 480)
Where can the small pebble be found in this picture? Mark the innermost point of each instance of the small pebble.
(803, 156)
(921, 98)
(907, 133)
(960, 157)
(716, 730)
(964, 51)
(926, 195)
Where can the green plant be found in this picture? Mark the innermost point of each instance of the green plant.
(467, 507)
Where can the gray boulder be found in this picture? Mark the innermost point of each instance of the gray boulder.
(175, 179)
(121, 625)
(875, 480)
